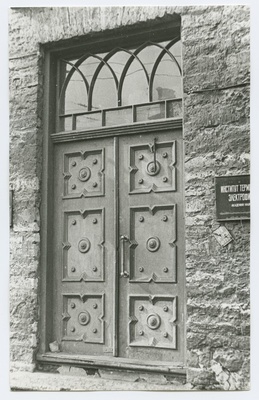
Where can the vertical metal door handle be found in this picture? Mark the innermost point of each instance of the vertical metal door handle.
(123, 273)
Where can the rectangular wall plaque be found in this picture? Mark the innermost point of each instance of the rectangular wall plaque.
(232, 197)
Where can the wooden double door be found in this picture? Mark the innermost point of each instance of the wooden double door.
(118, 256)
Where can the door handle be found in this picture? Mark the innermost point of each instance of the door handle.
(123, 272)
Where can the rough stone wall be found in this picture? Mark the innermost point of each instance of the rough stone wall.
(25, 175)
(216, 131)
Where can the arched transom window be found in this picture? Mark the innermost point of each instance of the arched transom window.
(122, 86)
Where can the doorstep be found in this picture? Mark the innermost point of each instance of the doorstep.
(174, 369)
(76, 379)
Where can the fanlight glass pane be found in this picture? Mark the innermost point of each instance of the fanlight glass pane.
(117, 62)
(75, 95)
(118, 117)
(89, 120)
(150, 112)
(176, 50)
(135, 85)
(148, 56)
(168, 81)
(104, 92)
(89, 65)
(174, 109)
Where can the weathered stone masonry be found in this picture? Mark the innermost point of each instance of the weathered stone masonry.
(216, 134)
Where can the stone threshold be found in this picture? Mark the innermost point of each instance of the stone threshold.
(176, 369)
(68, 378)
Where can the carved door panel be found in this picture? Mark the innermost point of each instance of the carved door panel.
(84, 254)
(151, 248)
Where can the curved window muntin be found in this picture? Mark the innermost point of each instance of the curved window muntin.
(118, 77)
(103, 95)
(75, 67)
(150, 81)
(156, 64)
(107, 57)
(66, 83)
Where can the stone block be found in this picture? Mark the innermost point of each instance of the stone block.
(201, 377)
(230, 359)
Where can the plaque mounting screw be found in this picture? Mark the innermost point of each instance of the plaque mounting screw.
(73, 164)
(73, 186)
(95, 161)
(73, 269)
(141, 219)
(141, 308)
(165, 154)
(165, 269)
(94, 305)
(165, 218)
(141, 333)
(74, 222)
(94, 269)
(165, 179)
(140, 157)
(141, 269)
(165, 334)
(73, 329)
(140, 181)
(95, 184)
(73, 305)
(94, 330)
(165, 308)
(94, 221)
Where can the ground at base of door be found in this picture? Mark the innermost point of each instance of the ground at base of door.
(44, 381)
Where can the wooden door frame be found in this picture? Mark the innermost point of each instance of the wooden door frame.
(49, 140)
(44, 356)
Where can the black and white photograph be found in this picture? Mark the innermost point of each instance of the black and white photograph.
(129, 199)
